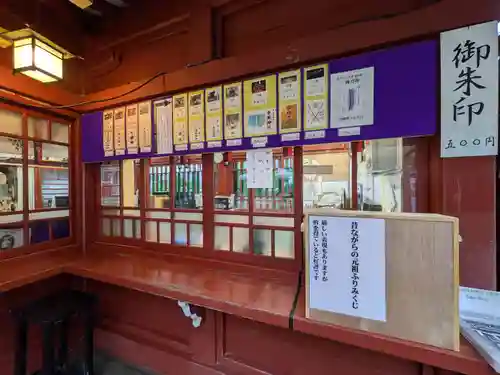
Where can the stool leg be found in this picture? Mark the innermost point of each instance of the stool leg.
(62, 354)
(21, 346)
(48, 349)
(88, 351)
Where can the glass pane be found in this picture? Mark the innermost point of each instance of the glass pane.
(39, 231)
(280, 196)
(11, 238)
(159, 178)
(188, 182)
(326, 177)
(196, 235)
(110, 184)
(60, 132)
(137, 229)
(262, 242)
(284, 244)
(230, 185)
(11, 122)
(380, 175)
(117, 229)
(128, 228)
(48, 187)
(165, 233)
(130, 182)
(221, 238)
(38, 128)
(151, 231)
(11, 174)
(60, 229)
(106, 226)
(241, 240)
(180, 233)
(54, 153)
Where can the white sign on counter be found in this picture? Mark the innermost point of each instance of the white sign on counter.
(346, 264)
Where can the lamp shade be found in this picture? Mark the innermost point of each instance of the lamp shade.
(37, 60)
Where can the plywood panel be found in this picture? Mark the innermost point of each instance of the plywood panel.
(421, 279)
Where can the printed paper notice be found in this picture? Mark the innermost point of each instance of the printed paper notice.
(196, 117)
(469, 91)
(260, 99)
(145, 127)
(233, 105)
(316, 97)
(164, 127)
(260, 168)
(346, 265)
(352, 98)
(132, 126)
(108, 133)
(213, 110)
(120, 142)
(180, 120)
(290, 117)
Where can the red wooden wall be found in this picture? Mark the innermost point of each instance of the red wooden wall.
(252, 36)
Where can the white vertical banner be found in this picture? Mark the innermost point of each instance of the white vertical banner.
(145, 127)
(108, 133)
(131, 124)
(346, 265)
(164, 127)
(120, 141)
(469, 91)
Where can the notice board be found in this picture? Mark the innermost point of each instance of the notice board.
(388, 273)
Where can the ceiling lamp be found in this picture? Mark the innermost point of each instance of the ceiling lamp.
(82, 3)
(37, 59)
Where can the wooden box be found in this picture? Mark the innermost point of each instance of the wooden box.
(350, 255)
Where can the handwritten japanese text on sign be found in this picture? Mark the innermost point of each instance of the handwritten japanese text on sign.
(347, 272)
(469, 91)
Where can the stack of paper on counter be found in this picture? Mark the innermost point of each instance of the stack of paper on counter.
(480, 322)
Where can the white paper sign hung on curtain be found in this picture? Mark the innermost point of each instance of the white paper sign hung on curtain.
(469, 91)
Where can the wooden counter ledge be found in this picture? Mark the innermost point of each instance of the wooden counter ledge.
(466, 361)
(270, 302)
(213, 288)
(27, 269)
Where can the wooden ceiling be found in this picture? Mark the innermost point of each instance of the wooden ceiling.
(92, 34)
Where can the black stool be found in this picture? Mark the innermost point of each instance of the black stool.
(53, 313)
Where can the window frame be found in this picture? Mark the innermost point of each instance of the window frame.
(27, 212)
(208, 212)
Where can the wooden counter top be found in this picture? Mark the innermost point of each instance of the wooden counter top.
(263, 299)
(466, 361)
(214, 288)
(17, 272)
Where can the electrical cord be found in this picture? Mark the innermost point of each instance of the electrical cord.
(148, 81)
(291, 316)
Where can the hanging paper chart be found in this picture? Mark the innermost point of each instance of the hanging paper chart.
(108, 133)
(316, 97)
(180, 122)
(145, 127)
(290, 114)
(120, 131)
(233, 107)
(131, 125)
(213, 116)
(196, 119)
(260, 98)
